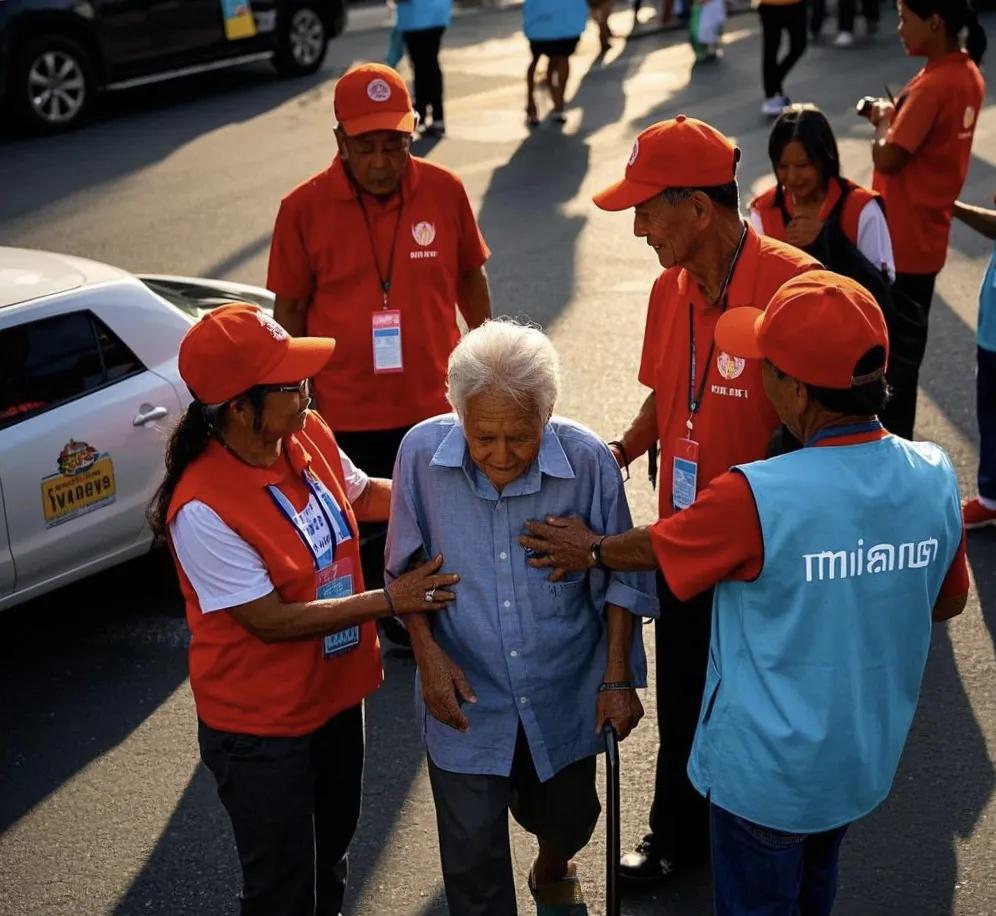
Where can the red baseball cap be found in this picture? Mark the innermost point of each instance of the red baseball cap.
(237, 346)
(680, 153)
(816, 328)
(373, 97)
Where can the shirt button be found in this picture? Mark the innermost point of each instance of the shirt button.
(523, 700)
(514, 653)
(503, 556)
(508, 604)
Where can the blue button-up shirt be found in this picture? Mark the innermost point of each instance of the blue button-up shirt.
(533, 651)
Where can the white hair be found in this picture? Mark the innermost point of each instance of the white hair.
(505, 357)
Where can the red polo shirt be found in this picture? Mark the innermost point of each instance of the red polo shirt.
(735, 421)
(426, 238)
(935, 123)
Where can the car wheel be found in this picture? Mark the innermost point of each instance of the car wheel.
(302, 42)
(54, 85)
(395, 632)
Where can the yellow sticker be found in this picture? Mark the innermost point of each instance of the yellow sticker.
(85, 482)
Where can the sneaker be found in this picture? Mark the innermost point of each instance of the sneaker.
(772, 107)
(844, 40)
(644, 863)
(977, 515)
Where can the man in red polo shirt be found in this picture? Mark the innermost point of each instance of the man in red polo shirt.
(379, 251)
(706, 408)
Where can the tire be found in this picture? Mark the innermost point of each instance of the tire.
(53, 87)
(302, 42)
(395, 632)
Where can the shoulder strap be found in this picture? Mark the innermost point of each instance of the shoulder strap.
(838, 208)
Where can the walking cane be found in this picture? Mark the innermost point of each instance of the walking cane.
(612, 902)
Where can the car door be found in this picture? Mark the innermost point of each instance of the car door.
(188, 32)
(81, 444)
(123, 30)
(6, 559)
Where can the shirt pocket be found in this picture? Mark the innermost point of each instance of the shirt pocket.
(567, 598)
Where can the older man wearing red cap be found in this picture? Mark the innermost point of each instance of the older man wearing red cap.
(379, 251)
(706, 409)
(259, 507)
(829, 565)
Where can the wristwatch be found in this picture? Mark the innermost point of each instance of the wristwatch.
(596, 552)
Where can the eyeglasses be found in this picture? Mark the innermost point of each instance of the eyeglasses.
(302, 387)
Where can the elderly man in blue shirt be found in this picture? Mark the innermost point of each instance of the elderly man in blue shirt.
(519, 677)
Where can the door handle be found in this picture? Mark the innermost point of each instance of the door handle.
(147, 414)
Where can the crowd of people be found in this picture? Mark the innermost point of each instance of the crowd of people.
(353, 459)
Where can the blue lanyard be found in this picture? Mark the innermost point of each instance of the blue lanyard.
(836, 432)
(285, 506)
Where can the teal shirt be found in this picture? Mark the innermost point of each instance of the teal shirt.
(815, 667)
(986, 334)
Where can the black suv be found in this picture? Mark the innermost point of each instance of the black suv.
(56, 54)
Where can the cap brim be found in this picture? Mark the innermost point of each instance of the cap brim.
(304, 358)
(403, 122)
(625, 194)
(737, 331)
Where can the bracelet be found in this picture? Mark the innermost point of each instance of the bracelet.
(615, 685)
(390, 603)
(622, 451)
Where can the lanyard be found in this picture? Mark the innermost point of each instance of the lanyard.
(384, 277)
(835, 432)
(285, 506)
(695, 398)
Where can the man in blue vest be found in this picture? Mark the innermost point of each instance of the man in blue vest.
(829, 565)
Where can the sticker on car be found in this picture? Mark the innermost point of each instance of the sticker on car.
(84, 483)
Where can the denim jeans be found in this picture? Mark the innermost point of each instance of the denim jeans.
(757, 871)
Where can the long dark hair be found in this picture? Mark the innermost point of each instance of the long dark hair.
(958, 16)
(807, 125)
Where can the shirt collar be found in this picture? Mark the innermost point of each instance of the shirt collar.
(955, 57)
(551, 461)
(741, 289)
(341, 187)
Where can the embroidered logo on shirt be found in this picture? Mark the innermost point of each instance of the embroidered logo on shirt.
(882, 558)
(276, 332)
(634, 153)
(378, 90)
(730, 367)
(424, 233)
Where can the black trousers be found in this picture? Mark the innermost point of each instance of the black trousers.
(373, 451)
(774, 21)
(679, 816)
(899, 415)
(423, 51)
(846, 10)
(985, 411)
(294, 804)
(472, 820)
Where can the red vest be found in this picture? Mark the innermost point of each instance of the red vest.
(850, 218)
(240, 683)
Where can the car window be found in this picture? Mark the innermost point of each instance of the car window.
(46, 363)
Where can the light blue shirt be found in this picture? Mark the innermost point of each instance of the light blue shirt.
(815, 667)
(986, 334)
(415, 15)
(549, 20)
(533, 651)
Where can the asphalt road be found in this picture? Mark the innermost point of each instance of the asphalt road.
(103, 805)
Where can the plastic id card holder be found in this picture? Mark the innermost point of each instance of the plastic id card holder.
(387, 341)
(336, 581)
(685, 474)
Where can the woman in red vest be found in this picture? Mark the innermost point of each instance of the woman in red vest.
(260, 508)
(804, 157)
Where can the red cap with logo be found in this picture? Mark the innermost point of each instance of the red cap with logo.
(237, 346)
(373, 97)
(680, 153)
(816, 328)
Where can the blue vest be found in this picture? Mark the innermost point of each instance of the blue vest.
(414, 15)
(549, 20)
(815, 667)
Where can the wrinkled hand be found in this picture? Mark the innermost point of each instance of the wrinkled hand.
(803, 231)
(620, 708)
(617, 454)
(561, 543)
(408, 591)
(443, 686)
(882, 112)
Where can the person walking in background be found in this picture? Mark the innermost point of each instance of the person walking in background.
(810, 190)
(422, 23)
(846, 10)
(705, 28)
(980, 510)
(921, 151)
(778, 16)
(553, 28)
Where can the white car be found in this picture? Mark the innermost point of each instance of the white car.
(88, 392)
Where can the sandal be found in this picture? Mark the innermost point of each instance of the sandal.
(562, 898)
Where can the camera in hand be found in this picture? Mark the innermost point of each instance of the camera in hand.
(864, 106)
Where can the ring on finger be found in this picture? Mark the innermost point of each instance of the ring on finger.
(430, 595)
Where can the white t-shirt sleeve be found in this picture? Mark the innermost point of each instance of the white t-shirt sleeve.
(356, 479)
(874, 241)
(756, 221)
(223, 569)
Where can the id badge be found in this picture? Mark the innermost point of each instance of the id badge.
(336, 581)
(685, 474)
(387, 341)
